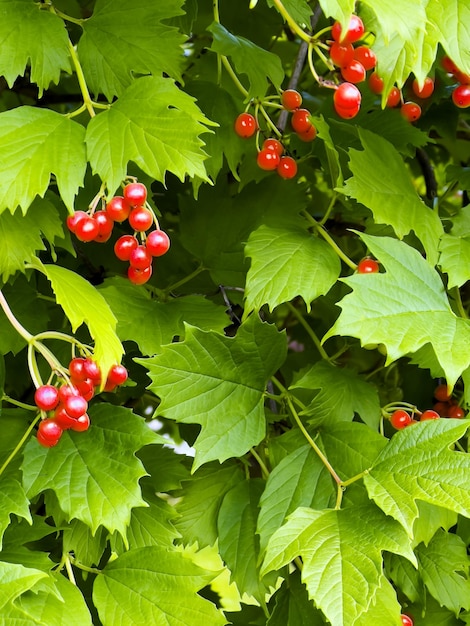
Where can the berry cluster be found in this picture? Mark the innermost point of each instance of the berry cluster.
(461, 93)
(131, 206)
(447, 406)
(67, 404)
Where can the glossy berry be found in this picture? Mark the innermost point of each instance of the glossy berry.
(117, 375)
(140, 219)
(461, 96)
(400, 419)
(426, 90)
(347, 96)
(92, 371)
(441, 393)
(140, 258)
(75, 406)
(135, 194)
(139, 277)
(87, 229)
(273, 144)
(406, 620)
(376, 84)
(72, 220)
(367, 266)
(63, 419)
(456, 411)
(308, 135)
(300, 120)
(354, 72)
(347, 114)
(411, 111)
(124, 246)
(353, 32)
(341, 53)
(287, 167)
(118, 209)
(429, 414)
(105, 226)
(46, 397)
(394, 97)
(157, 243)
(81, 424)
(366, 57)
(245, 125)
(86, 388)
(49, 433)
(66, 391)
(268, 159)
(291, 99)
(76, 369)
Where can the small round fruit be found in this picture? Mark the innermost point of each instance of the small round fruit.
(347, 96)
(448, 65)
(75, 406)
(46, 397)
(291, 99)
(140, 258)
(72, 220)
(406, 620)
(135, 194)
(66, 391)
(366, 56)
(273, 144)
(49, 433)
(426, 90)
(456, 411)
(400, 419)
(139, 277)
(287, 167)
(353, 32)
(105, 225)
(92, 370)
(441, 393)
(245, 125)
(124, 246)
(341, 53)
(347, 114)
(367, 266)
(87, 229)
(81, 424)
(268, 159)
(300, 120)
(140, 219)
(411, 111)
(394, 97)
(376, 84)
(442, 408)
(354, 72)
(157, 243)
(461, 96)
(117, 375)
(63, 419)
(429, 414)
(86, 388)
(76, 369)
(308, 135)
(118, 209)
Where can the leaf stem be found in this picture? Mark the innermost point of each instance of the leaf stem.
(233, 76)
(259, 460)
(292, 23)
(186, 279)
(87, 101)
(303, 322)
(84, 568)
(21, 405)
(328, 238)
(20, 329)
(19, 445)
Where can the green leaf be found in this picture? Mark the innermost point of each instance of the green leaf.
(385, 608)
(405, 576)
(287, 262)
(338, 9)
(40, 39)
(155, 125)
(404, 308)
(396, 19)
(454, 259)
(352, 395)
(382, 183)
(153, 586)
(293, 607)
(430, 519)
(34, 144)
(418, 465)
(451, 20)
(83, 303)
(332, 154)
(341, 553)
(300, 480)
(21, 235)
(201, 498)
(257, 64)
(121, 40)
(444, 565)
(87, 548)
(15, 579)
(94, 474)
(219, 383)
(299, 10)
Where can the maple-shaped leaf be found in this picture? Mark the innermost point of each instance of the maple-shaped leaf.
(352, 395)
(292, 605)
(395, 19)
(155, 125)
(385, 608)
(454, 259)
(404, 308)
(451, 22)
(299, 10)
(94, 474)
(34, 144)
(21, 235)
(121, 40)
(382, 183)
(338, 9)
(15, 579)
(257, 64)
(444, 566)
(83, 303)
(219, 383)
(416, 465)
(154, 586)
(286, 262)
(40, 40)
(88, 548)
(341, 552)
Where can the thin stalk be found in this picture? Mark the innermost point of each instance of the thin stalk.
(186, 279)
(269, 122)
(21, 405)
(64, 16)
(292, 23)
(329, 209)
(233, 76)
(300, 318)
(85, 568)
(20, 329)
(329, 240)
(284, 391)
(455, 292)
(87, 101)
(259, 460)
(19, 445)
(68, 567)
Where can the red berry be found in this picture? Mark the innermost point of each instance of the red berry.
(92, 371)
(157, 242)
(273, 144)
(117, 375)
(366, 57)
(426, 90)
(245, 125)
(341, 53)
(76, 369)
(46, 397)
(75, 406)
(124, 246)
(63, 419)
(291, 99)
(140, 219)
(49, 433)
(66, 391)
(140, 258)
(367, 266)
(81, 424)
(411, 111)
(268, 159)
(456, 411)
(118, 209)
(308, 135)
(442, 408)
(105, 225)
(400, 419)
(376, 84)
(86, 388)
(406, 620)
(135, 194)
(347, 114)
(429, 414)
(461, 96)
(353, 32)
(347, 96)
(448, 65)
(394, 97)
(441, 393)
(353, 72)
(139, 277)
(287, 167)
(300, 120)
(87, 229)
(72, 220)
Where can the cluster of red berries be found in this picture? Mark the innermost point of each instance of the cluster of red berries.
(447, 406)
(460, 94)
(131, 206)
(67, 404)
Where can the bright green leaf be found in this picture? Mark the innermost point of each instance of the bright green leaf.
(430, 519)
(88, 548)
(385, 608)
(452, 21)
(299, 10)
(396, 20)
(219, 383)
(15, 579)
(454, 259)
(338, 9)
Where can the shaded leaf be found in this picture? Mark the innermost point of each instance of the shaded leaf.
(293, 606)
